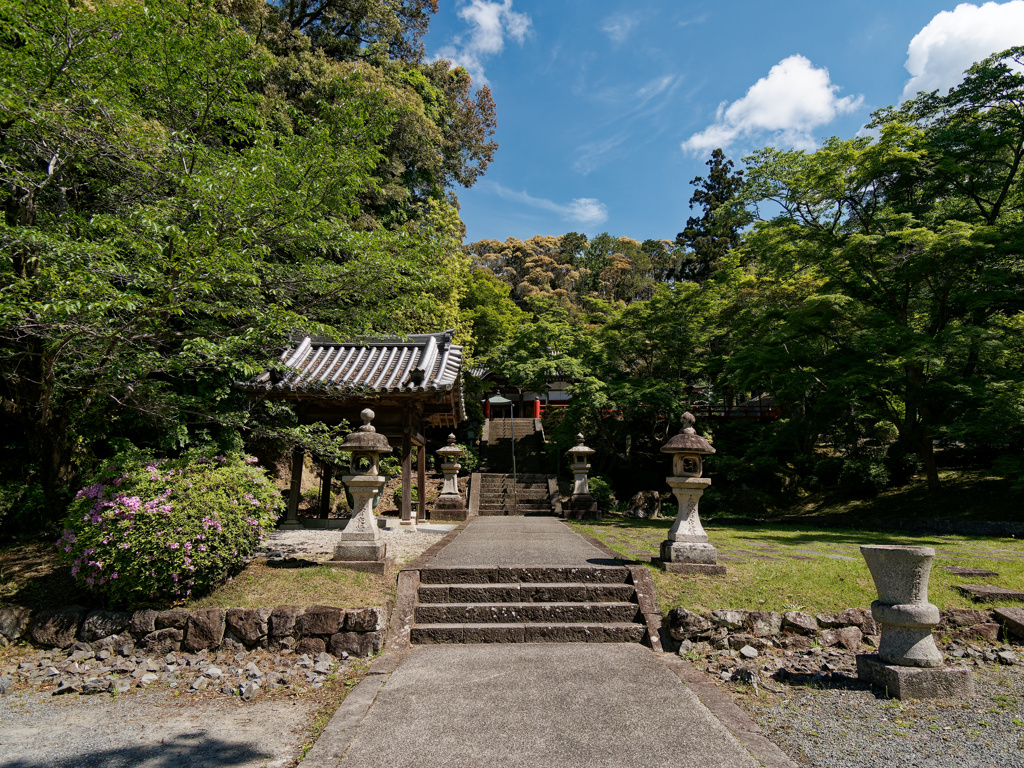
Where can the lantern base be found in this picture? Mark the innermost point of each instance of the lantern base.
(689, 569)
(581, 507)
(950, 682)
(688, 552)
(360, 550)
(449, 508)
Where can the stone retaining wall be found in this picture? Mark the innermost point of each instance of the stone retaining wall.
(314, 629)
(796, 630)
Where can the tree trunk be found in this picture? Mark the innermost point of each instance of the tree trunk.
(927, 452)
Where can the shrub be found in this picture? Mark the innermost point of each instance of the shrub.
(602, 492)
(863, 476)
(147, 531)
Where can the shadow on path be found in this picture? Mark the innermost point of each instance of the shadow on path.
(194, 750)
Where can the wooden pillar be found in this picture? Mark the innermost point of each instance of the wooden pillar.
(421, 480)
(406, 468)
(292, 515)
(325, 489)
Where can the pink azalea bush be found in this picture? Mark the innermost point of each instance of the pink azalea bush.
(165, 530)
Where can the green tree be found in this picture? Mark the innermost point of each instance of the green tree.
(717, 230)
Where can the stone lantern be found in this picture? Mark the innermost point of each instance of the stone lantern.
(582, 505)
(450, 505)
(360, 542)
(687, 549)
(908, 663)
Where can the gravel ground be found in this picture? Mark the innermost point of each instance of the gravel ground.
(151, 728)
(834, 721)
(405, 542)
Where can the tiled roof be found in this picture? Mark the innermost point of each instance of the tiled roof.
(422, 363)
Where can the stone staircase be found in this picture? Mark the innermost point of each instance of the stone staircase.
(527, 437)
(531, 495)
(594, 604)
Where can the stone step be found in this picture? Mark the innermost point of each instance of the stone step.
(527, 633)
(535, 592)
(531, 613)
(597, 574)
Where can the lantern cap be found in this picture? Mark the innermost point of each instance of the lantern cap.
(366, 439)
(688, 441)
(580, 449)
(451, 449)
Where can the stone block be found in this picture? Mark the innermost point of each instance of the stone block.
(494, 633)
(100, 624)
(684, 624)
(849, 638)
(800, 622)
(283, 619)
(371, 619)
(360, 550)
(964, 617)
(690, 569)
(57, 627)
(356, 643)
(430, 634)
(448, 508)
(458, 575)
(311, 645)
(988, 593)
(956, 570)
(729, 619)
(1012, 619)
(14, 621)
(160, 642)
(736, 642)
(796, 643)
(205, 629)
(249, 625)
(602, 593)
(320, 620)
(988, 631)
(554, 593)
(142, 623)
(176, 618)
(764, 623)
(948, 682)
(434, 593)
(688, 552)
(851, 617)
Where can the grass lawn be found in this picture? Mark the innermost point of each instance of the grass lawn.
(30, 575)
(783, 568)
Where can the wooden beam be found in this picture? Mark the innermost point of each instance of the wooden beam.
(421, 480)
(292, 514)
(406, 510)
(325, 488)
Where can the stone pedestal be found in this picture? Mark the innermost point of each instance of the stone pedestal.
(915, 682)
(449, 508)
(686, 550)
(908, 663)
(581, 507)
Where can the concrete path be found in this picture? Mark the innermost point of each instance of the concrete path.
(519, 541)
(545, 705)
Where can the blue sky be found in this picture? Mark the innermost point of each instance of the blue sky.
(608, 108)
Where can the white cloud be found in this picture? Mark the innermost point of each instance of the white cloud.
(593, 153)
(953, 40)
(490, 23)
(785, 107)
(585, 211)
(618, 26)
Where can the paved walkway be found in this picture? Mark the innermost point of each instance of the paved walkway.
(571, 705)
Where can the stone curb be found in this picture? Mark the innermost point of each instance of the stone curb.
(342, 728)
(746, 731)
